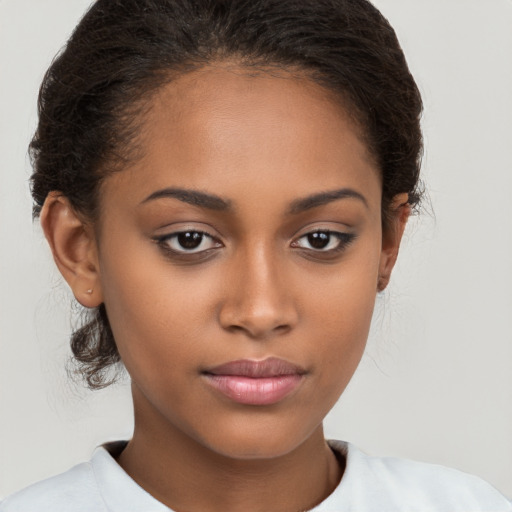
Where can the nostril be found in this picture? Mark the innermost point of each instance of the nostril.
(258, 331)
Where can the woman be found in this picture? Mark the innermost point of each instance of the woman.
(225, 185)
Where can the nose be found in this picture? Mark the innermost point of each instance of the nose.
(259, 297)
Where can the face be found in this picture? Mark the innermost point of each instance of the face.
(239, 259)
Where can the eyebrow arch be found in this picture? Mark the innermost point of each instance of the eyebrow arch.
(193, 197)
(306, 203)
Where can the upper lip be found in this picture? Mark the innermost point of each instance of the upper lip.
(270, 367)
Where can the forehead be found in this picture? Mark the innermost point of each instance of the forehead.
(223, 129)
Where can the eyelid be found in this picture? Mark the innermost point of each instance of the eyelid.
(163, 241)
(171, 228)
(203, 234)
(344, 240)
(330, 232)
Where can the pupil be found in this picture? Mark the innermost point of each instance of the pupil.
(319, 240)
(190, 239)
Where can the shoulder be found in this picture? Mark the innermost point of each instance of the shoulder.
(72, 491)
(99, 485)
(400, 484)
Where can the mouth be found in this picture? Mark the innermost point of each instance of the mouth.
(255, 382)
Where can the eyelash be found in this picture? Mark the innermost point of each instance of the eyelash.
(165, 241)
(344, 240)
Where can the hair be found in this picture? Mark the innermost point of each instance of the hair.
(94, 94)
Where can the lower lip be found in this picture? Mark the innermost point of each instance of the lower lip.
(255, 391)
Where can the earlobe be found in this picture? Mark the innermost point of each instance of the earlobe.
(74, 250)
(400, 211)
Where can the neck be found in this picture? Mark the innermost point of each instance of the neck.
(184, 474)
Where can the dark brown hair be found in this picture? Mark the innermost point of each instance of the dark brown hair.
(122, 51)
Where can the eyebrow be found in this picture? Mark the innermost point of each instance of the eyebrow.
(193, 197)
(214, 202)
(309, 202)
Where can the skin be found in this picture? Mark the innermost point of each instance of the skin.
(256, 288)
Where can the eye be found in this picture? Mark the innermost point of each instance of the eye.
(324, 241)
(188, 242)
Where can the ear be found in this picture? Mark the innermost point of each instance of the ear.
(74, 249)
(391, 238)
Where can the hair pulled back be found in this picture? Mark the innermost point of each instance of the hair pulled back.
(122, 51)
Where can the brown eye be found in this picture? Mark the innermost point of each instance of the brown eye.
(189, 242)
(324, 241)
(190, 239)
(319, 239)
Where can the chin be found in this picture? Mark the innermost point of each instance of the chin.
(258, 440)
(254, 450)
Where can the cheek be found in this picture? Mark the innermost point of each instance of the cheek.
(340, 312)
(156, 312)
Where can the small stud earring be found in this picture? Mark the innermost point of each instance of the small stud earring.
(89, 292)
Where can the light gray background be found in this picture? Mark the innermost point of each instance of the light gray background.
(436, 382)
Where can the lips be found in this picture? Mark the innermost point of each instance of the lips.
(255, 382)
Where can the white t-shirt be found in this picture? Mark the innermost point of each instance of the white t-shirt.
(369, 484)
